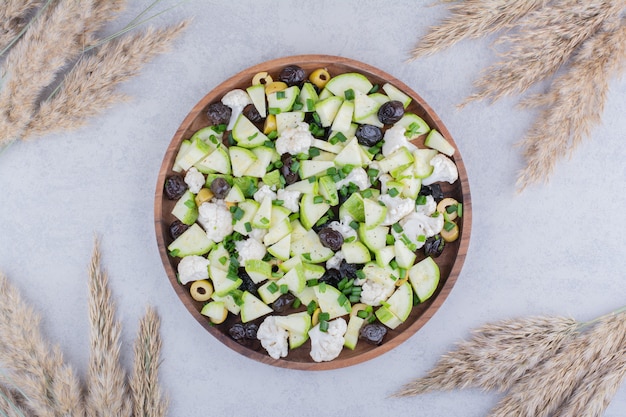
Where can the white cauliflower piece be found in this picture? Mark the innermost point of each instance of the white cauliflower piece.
(193, 268)
(257, 234)
(394, 138)
(428, 208)
(335, 261)
(358, 177)
(397, 208)
(343, 227)
(418, 226)
(216, 220)
(326, 346)
(265, 190)
(444, 170)
(273, 338)
(194, 180)
(249, 249)
(290, 199)
(295, 140)
(372, 293)
(236, 99)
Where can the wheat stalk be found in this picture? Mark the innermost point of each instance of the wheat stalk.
(50, 388)
(14, 18)
(107, 394)
(574, 103)
(473, 19)
(542, 390)
(33, 63)
(146, 395)
(496, 355)
(89, 87)
(544, 41)
(10, 403)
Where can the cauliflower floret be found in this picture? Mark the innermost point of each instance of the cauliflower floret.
(290, 199)
(295, 140)
(260, 194)
(249, 249)
(273, 338)
(326, 346)
(216, 220)
(428, 208)
(358, 177)
(343, 227)
(335, 261)
(418, 226)
(193, 268)
(394, 138)
(444, 170)
(236, 99)
(372, 293)
(257, 234)
(397, 208)
(194, 180)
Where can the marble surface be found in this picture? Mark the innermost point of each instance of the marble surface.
(555, 249)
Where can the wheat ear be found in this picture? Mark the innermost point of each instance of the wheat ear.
(107, 393)
(496, 355)
(574, 103)
(146, 395)
(10, 403)
(50, 388)
(33, 63)
(103, 11)
(89, 88)
(473, 19)
(544, 388)
(14, 18)
(544, 41)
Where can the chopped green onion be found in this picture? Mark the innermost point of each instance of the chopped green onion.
(389, 239)
(349, 239)
(354, 225)
(223, 260)
(310, 105)
(362, 314)
(278, 164)
(284, 289)
(420, 200)
(248, 227)
(278, 202)
(449, 226)
(397, 228)
(265, 220)
(297, 106)
(354, 298)
(311, 307)
(253, 136)
(346, 169)
(421, 238)
(312, 282)
(451, 208)
(295, 166)
(280, 94)
(318, 199)
(459, 209)
(331, 171)
(322, 287)
(307, 256)
(359, 274)
(314, 152)
(296, 303)
(342, 299)
(312, 179)
(367, 193)
(237, 212)
(374, 89)
(273, 110)
(349, 94)
(393, 192)
(272, 288)
(323, 326)
(324, 316)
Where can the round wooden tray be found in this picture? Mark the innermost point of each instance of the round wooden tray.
(450, 262)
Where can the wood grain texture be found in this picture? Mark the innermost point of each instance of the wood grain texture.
(450, 262)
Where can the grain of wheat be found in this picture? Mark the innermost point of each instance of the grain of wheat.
(544, 388)
(147, 398)
(544, 41)
(574, 104)
(50, 388)
(496, 355)
(89, 87)
(107, 394)
(33, 63)
(473, 19)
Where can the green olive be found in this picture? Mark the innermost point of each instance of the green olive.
(201, 290)
(275, 86)
(261, 78)
(319, 77)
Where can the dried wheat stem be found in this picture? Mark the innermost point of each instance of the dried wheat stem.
(574, 103)
(10, 404)
(544, 388)
(545, 40)
(496, 355)
(13, 18)
(89, 88)
(146, 395)
(473, 19)
(107, 394)
(50, 388)
(34, 62)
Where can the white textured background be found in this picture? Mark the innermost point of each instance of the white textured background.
(555, 249)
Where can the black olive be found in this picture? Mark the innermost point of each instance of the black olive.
(368, 135)
(434, 246)
(373, 333)
(251, 112)
(237, 332)
(250, 330)
(432, 189)
(292, 75)
(348, 270)
(290, 176)
(390, 112)
(220, 187)
(247, 283)
(283, 302)
(331, 238)
(175, 187)
(218, 113)
(177, 228)
(331, 277)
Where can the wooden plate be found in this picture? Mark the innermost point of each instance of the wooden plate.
(450, 262)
